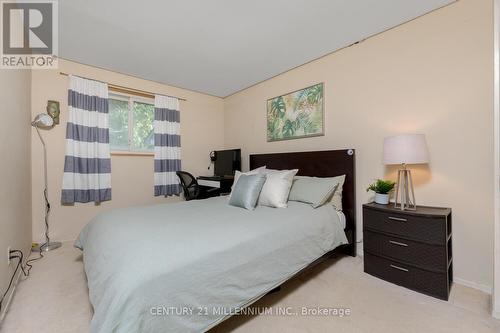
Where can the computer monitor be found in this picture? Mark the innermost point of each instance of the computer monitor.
(227, 162)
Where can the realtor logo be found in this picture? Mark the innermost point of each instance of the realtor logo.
(29, 34)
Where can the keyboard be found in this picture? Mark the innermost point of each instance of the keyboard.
(214, 178)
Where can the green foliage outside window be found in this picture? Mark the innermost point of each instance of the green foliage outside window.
(142, 133)
(140, 137)
(118, 124)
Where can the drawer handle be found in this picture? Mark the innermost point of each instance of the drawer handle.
(398, 243)
(399, 268)
(400, 219)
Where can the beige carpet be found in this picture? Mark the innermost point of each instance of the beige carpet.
(55, 299)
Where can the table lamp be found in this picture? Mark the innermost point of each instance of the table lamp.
(405, 149)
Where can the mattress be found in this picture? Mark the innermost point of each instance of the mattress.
(185, 267)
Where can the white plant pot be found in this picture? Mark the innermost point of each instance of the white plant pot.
(382, 199)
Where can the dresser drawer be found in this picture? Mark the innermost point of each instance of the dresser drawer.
(431, 257)
(426, 229)
(431, 283)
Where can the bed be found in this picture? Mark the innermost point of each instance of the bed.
(185, 267)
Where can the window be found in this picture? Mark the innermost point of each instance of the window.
(131, 124)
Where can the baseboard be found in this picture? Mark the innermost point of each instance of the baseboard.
(16, 281)
(9, 297)
(474, 285)
(495, 314)
(359, 249)
(54, 240)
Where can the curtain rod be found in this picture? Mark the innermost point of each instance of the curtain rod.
(127, 90)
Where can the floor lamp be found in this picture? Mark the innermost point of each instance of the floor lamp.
(405, 149)
(44, 121)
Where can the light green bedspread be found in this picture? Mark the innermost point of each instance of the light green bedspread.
(182, 267)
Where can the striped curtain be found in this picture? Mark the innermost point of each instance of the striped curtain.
(87, 164)
(167, 145)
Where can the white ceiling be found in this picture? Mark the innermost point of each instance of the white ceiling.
(220, 46)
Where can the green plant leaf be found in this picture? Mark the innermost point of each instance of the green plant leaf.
(315, 94)
(278, 107)
(381, 186)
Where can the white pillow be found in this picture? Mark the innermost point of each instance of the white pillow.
(277, 188)
(237, 174)
(336, 199)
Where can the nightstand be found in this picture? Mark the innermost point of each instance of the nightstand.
(409, 248)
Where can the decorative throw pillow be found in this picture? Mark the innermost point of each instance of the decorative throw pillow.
(246, 191)
(313, 190)
(336, 199)
(237, 174)
(277, 188)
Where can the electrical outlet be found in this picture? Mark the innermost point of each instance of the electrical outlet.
(8, 255)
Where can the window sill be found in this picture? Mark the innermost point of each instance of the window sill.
(131, 153)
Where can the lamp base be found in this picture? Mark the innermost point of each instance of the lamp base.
(46, 247)
(405, 196)
(405, 207)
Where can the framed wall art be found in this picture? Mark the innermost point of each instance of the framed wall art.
(298, 114)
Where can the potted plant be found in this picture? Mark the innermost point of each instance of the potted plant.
(381, 188)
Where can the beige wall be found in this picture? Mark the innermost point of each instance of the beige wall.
(202, 121)
(15, 188)
(433, 75)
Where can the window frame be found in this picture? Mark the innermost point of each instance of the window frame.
(130, 99)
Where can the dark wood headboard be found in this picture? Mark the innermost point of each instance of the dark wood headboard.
(328, 163)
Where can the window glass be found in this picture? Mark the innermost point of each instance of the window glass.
(142, 134)
(131, 124)
(118, 124)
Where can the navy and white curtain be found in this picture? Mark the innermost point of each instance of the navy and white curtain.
(167, 145)
(87, 164)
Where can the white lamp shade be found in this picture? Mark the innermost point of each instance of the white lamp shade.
(406, 149)
(43, 120)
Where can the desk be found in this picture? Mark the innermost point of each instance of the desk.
(210, 182)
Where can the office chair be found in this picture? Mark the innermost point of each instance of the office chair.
(189, 185)
(191, 189)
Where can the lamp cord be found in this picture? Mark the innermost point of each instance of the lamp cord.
(10, 283)
(47, 211)
(25, 270)
(18, 254)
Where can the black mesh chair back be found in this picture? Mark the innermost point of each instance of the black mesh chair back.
(189, 185)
